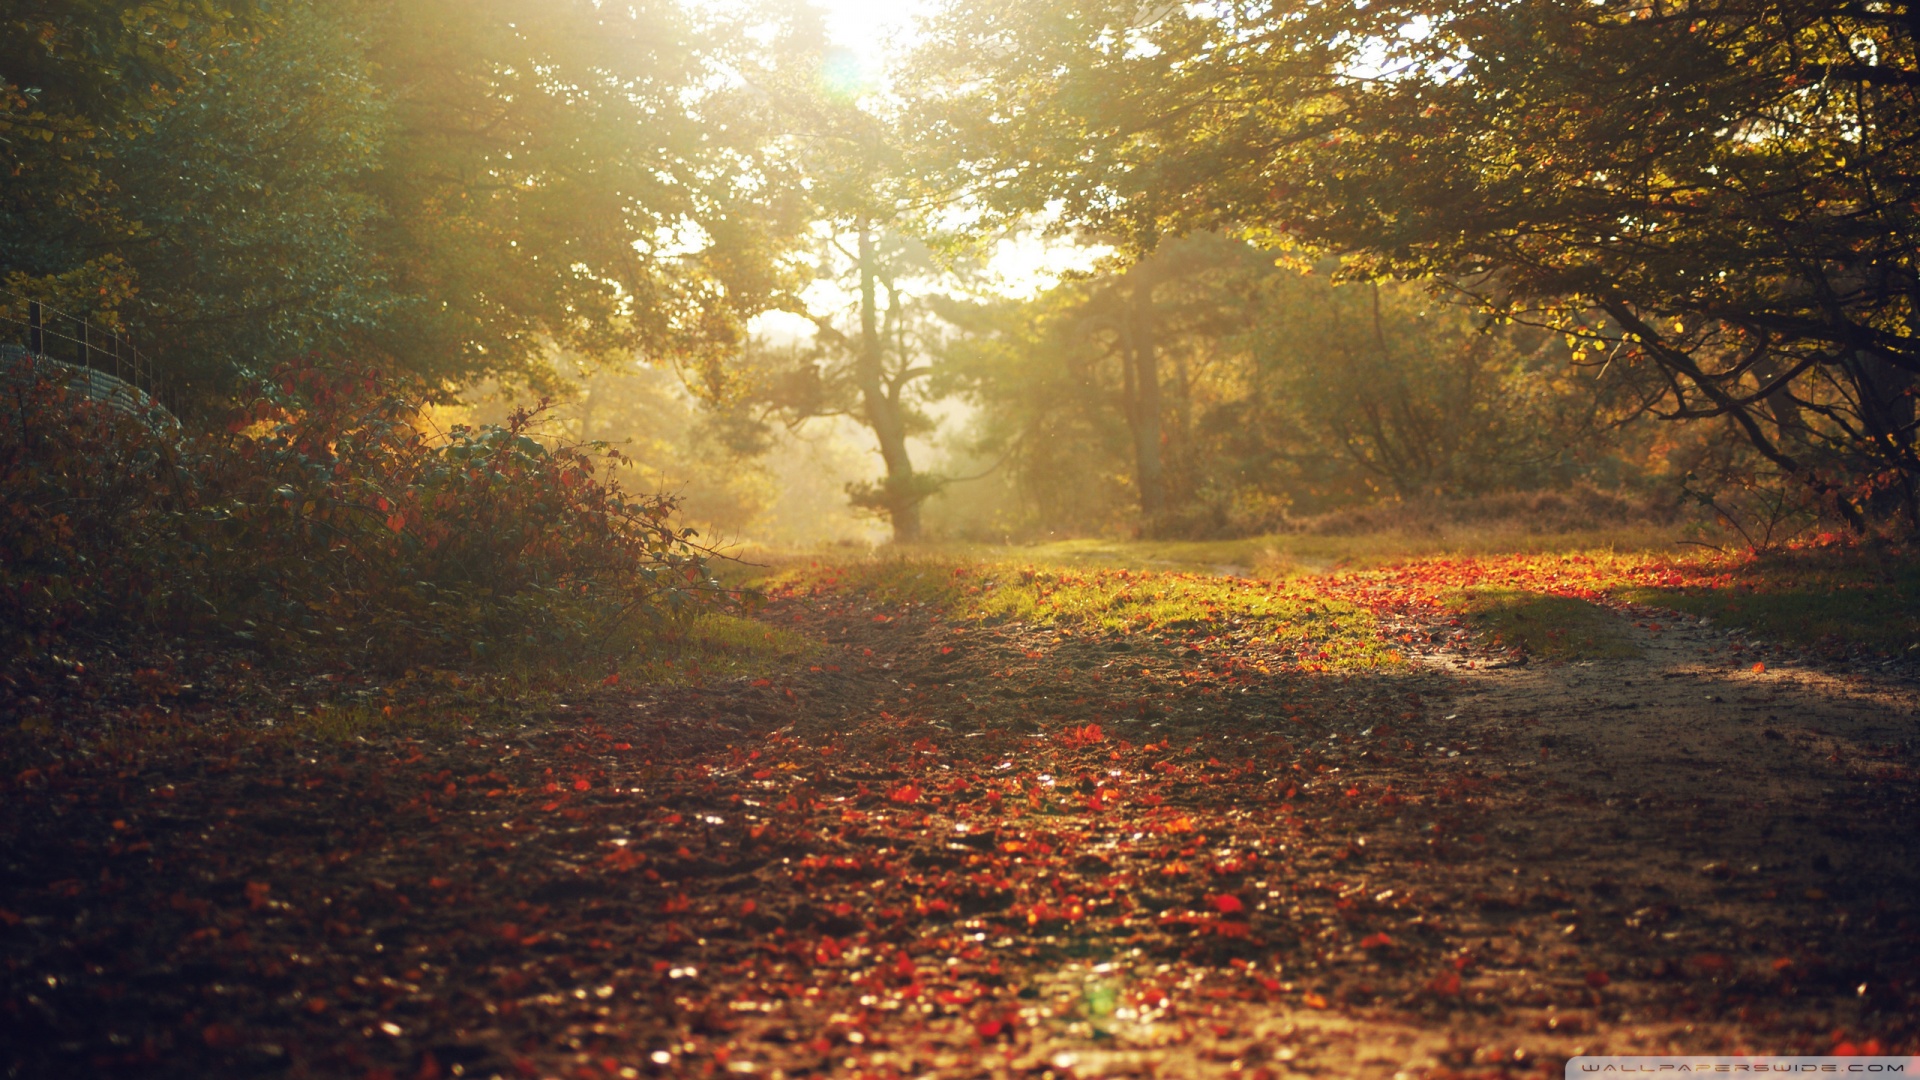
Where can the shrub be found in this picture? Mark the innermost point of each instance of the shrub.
(321, 518)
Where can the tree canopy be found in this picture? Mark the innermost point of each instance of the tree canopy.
(454, 188)
(1717, 194)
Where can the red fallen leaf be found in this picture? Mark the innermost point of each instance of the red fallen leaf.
(1712, 963)
(1380, 940)
(217, 1036)
(1226, 904)
(945, 649)
(749, 907)
(989, 1029)
(763, 774)
(318, 1005)
(1597, 979)
(257, 894)
(905, 794)
(611, 680)
(1758, 668)
(509, 932)
(763, 682)
(1446, 983)
(1314, 1001)
(582, 785)
(624, 859)
(1083, 736)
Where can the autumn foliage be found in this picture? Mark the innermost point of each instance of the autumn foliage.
(322, 518)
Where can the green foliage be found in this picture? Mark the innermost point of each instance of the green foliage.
(326, 521)
(1714, 198)
(574, 173)
(455, 187)
(249, 223)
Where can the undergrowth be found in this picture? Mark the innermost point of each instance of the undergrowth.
(321, 521)
(319, 561)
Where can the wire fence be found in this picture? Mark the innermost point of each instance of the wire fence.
(43, 332)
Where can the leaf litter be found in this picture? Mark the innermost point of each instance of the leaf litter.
(950, 847)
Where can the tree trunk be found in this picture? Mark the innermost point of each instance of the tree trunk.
(884, 414)
(1143, 406)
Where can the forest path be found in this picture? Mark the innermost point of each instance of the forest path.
(944, 847)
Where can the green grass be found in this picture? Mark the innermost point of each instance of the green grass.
(1550, 627)
(1275, 555)
(1287, 615)
(717, 646)
(1502, 578)
(1822, 596)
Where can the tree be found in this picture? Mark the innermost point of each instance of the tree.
(457, 189)
(597, 176)
(869, 358)
(1717, 195)
(248, 224)
(73, 74)
(873, 325)
(1277, 390)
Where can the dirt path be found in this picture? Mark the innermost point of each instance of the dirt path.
(956, 849)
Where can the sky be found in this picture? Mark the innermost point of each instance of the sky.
(869, 27)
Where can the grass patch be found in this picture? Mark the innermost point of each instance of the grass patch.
(1819, 597)
(712, 647)
(1318, 631)
(1550, 627)
(1275, 556)
(717, 646)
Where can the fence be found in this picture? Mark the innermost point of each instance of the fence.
(47, 333)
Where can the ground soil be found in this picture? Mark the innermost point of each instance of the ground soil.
(948, 848)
